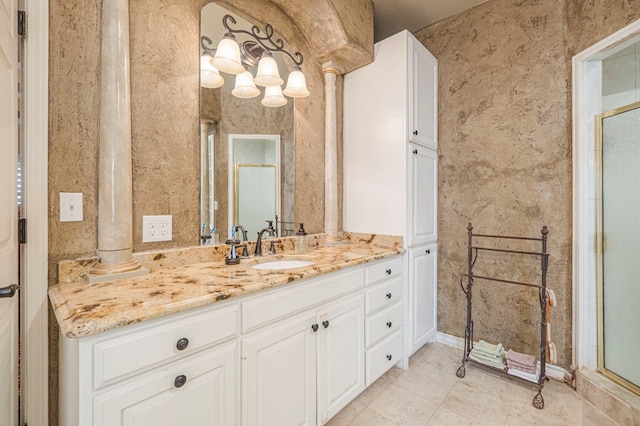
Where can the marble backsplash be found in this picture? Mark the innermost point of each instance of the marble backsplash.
(77, 270)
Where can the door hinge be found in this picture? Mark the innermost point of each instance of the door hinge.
(22, 23)
(22, 231)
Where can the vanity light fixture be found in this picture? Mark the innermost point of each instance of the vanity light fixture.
(231, 58)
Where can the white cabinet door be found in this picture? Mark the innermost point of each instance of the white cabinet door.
(279, 373)
(424, 195)
(340, 355)
(423, 262)
(423, 90)
(198, 390)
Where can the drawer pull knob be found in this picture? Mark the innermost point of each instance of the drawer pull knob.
(182, 344)
(415, 151)
(389, 357)
(389, 324)
(180, 381)
(428, 251)
(314, 327)
(325, 324)
(415, 132)
(388, 271)
(388, 295)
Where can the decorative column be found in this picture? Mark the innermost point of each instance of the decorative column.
(115, 204)
(331, 71)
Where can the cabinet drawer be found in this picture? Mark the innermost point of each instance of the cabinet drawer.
(197, 390)
(383, 295)
(383, 270)
(383, 356)
(269, 307)
(128, 351)
(383, 324)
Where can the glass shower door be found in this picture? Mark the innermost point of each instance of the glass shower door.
(619, 245)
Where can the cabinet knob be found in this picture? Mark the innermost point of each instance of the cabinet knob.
(180, 381)
(415, 133)
(325, 324)
(428, 252)
(388, 271)
(389, 357)
(389, 324)
(388, 295)
(314, 327)
(415, 151)
(182, 344)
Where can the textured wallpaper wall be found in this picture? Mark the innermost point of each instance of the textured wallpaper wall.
(505, 154)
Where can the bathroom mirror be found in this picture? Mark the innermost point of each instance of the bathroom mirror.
(254, 180)
(225, 118)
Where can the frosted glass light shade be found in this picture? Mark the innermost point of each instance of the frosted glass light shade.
(227, 58)
(296, 84)
(273, 97)
(209, 75)
(245, 87)
(268, 74)
(211, 79)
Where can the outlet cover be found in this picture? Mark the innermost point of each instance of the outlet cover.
(71, 207)
(156, 228)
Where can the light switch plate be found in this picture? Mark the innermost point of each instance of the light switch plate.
(71, 207)
(156, 228)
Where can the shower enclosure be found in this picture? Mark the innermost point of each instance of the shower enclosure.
(618, 244)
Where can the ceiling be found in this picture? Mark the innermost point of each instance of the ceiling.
(392, 16)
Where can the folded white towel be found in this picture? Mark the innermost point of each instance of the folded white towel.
(527, 376)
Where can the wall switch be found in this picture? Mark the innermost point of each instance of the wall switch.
(156, 228)
(71, 207)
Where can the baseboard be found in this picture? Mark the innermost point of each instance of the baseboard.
(554, 372)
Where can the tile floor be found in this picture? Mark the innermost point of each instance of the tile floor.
(429, 393)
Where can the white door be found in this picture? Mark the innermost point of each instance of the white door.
(279, 373)
(8, 213)
(424, 195)
(340, 355)
(423, 262)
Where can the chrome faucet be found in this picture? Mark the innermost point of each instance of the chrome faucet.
(245, 251)
(269, 230)
(244, 231)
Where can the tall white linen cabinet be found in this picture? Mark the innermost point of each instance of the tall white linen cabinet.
(391, 168)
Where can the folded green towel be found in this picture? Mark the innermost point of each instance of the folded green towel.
(490, 361)
(488, 348)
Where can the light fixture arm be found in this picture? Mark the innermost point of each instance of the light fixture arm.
(206, 43)
(265, 41)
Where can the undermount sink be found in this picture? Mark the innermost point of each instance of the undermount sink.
(283, 264)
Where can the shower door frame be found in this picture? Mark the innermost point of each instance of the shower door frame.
(600, 248)
(586, 104)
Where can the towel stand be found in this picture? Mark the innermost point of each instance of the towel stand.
(472, 256)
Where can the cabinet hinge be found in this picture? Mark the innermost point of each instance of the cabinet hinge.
(22, 231)
(22, 23)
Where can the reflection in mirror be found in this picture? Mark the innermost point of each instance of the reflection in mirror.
(254, 184)
(223, 114)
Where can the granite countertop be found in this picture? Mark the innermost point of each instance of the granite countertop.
(84, 309)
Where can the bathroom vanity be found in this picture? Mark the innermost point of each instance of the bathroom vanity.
(211, 344)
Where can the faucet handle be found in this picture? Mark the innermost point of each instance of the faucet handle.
(272, 247)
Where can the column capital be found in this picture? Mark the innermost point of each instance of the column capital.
(332, 67)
